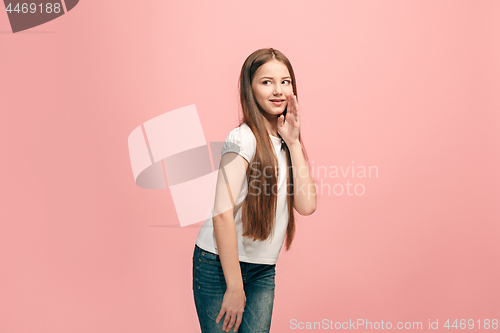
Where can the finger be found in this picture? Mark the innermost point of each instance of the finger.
(296, 105)
(231, 323)
(290, 100)
(221, 313)
(290, 115)
(238, 322)
(296, 108)
(225, 326)
(296, 112)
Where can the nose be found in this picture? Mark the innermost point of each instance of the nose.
(277, 90)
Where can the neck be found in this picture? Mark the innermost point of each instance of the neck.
(271, 124)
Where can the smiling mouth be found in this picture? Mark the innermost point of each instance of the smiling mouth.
(277, 102)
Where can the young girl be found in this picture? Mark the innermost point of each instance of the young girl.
(263, 176)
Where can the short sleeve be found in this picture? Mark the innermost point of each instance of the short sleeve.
(241, 141)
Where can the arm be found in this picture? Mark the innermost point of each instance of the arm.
(232, 173)
(304, 190)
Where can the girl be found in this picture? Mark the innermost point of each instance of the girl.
(237, 248)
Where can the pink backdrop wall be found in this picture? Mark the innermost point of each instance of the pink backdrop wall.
(410, 87)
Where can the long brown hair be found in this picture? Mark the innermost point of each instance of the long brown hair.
(259, 206)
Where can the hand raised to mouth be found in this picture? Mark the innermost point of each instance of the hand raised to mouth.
(289, 125)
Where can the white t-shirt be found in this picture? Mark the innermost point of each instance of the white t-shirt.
(242, 141)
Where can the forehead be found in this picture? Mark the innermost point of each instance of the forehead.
(273, 68)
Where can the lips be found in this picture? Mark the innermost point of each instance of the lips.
(277, 102)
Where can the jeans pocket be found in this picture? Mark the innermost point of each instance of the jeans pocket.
(210, 277)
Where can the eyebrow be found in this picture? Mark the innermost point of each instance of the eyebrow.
(268, 77)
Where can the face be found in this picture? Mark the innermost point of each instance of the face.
(271, 82)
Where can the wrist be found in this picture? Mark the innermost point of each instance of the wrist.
(235, 287)
(294, 143)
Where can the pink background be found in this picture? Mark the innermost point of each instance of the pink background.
(411, 87)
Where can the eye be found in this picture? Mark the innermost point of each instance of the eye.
(289, 82)
(264, 82)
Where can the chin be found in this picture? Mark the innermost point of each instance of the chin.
(277, 111)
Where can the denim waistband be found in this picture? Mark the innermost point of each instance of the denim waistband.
(198, 251)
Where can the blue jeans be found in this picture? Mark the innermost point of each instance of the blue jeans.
(209, 286)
